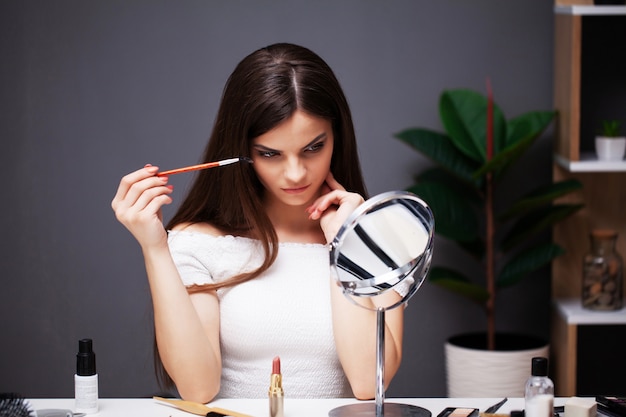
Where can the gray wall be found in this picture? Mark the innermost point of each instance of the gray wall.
(91, 90)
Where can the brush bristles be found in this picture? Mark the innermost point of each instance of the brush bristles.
(14, 405)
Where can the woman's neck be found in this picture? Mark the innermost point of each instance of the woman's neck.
(292, 224)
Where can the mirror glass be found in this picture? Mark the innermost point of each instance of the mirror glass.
(385, 244)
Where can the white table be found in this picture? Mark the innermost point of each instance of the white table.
(143, 407)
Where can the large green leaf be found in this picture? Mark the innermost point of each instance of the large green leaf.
(529, 124)
(522, 132)
(440, 149)
(526, 262)
(463, 189)
(536, 221)
(456, 282)
(504, 158)
(513, 153)
(540, 197)
(454, 215)
(464, 116)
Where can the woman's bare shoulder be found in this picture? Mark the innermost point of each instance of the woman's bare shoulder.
(204, 228)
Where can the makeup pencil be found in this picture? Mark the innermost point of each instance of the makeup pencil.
(205, 166)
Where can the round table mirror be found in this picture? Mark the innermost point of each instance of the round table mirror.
(383, 252)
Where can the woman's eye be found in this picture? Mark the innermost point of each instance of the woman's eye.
(315, 147)
(267, 154)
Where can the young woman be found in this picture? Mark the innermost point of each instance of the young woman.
(241, 272)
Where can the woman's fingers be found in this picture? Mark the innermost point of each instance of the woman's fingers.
(339, 198)
(128, 181)
(142, 192)
(328, 197)
(333, 194)
(333, 207)
(147, 204)
(333, 211)
(332, 182)
(138, 201)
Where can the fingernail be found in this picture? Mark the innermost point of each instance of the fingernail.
(147, 165)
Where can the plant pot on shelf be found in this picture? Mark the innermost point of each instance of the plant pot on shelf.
(610, 148)
(474, 371)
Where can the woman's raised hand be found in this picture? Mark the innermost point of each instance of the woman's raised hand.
(137, 205)
(333, 207)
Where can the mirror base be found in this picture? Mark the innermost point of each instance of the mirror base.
(389, 410)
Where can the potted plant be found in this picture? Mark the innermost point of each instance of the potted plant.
(472, 156)
(610, 144)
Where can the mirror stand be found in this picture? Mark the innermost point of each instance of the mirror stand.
(386, 244)
(379, 408)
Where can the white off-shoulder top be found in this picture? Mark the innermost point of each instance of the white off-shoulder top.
(284, 312)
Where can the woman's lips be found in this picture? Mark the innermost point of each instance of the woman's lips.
(295, 190)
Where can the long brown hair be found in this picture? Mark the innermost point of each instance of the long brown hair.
(265, 89)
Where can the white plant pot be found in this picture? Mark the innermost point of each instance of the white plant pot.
(488, 374)
(610, 149)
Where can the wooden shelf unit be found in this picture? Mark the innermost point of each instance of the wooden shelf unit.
(568, 315)
(576, 77)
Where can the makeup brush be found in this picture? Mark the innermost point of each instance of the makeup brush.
(14, 405)
(496, 406)
(199, 408)
(206, 165)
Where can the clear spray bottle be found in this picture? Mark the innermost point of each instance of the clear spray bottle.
(86, 379)
(539, 392)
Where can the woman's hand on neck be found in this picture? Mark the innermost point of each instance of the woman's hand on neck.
(333, 207)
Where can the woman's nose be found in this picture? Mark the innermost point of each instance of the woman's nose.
(294, 169)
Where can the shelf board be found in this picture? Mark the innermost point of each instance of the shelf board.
(590, 10)
(573, 312)
(589, 163)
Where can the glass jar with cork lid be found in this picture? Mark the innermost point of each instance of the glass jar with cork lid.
(602, 272)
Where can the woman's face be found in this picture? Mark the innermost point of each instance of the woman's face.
(292, 160)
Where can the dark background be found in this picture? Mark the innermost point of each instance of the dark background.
(91, 90)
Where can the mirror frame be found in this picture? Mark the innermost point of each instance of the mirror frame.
(420, 264)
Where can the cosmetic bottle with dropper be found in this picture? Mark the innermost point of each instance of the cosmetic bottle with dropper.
(86, 379)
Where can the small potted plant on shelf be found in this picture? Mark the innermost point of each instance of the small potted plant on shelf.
(610, 144)
(472, 156)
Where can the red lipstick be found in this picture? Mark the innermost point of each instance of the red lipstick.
(276, 392)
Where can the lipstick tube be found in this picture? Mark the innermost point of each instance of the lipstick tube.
(276, 393)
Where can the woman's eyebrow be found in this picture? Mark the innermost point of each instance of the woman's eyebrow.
(268, 149)
(263, 147)
(317, 138)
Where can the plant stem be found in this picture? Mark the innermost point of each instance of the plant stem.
(489, 229)
(490, 264)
